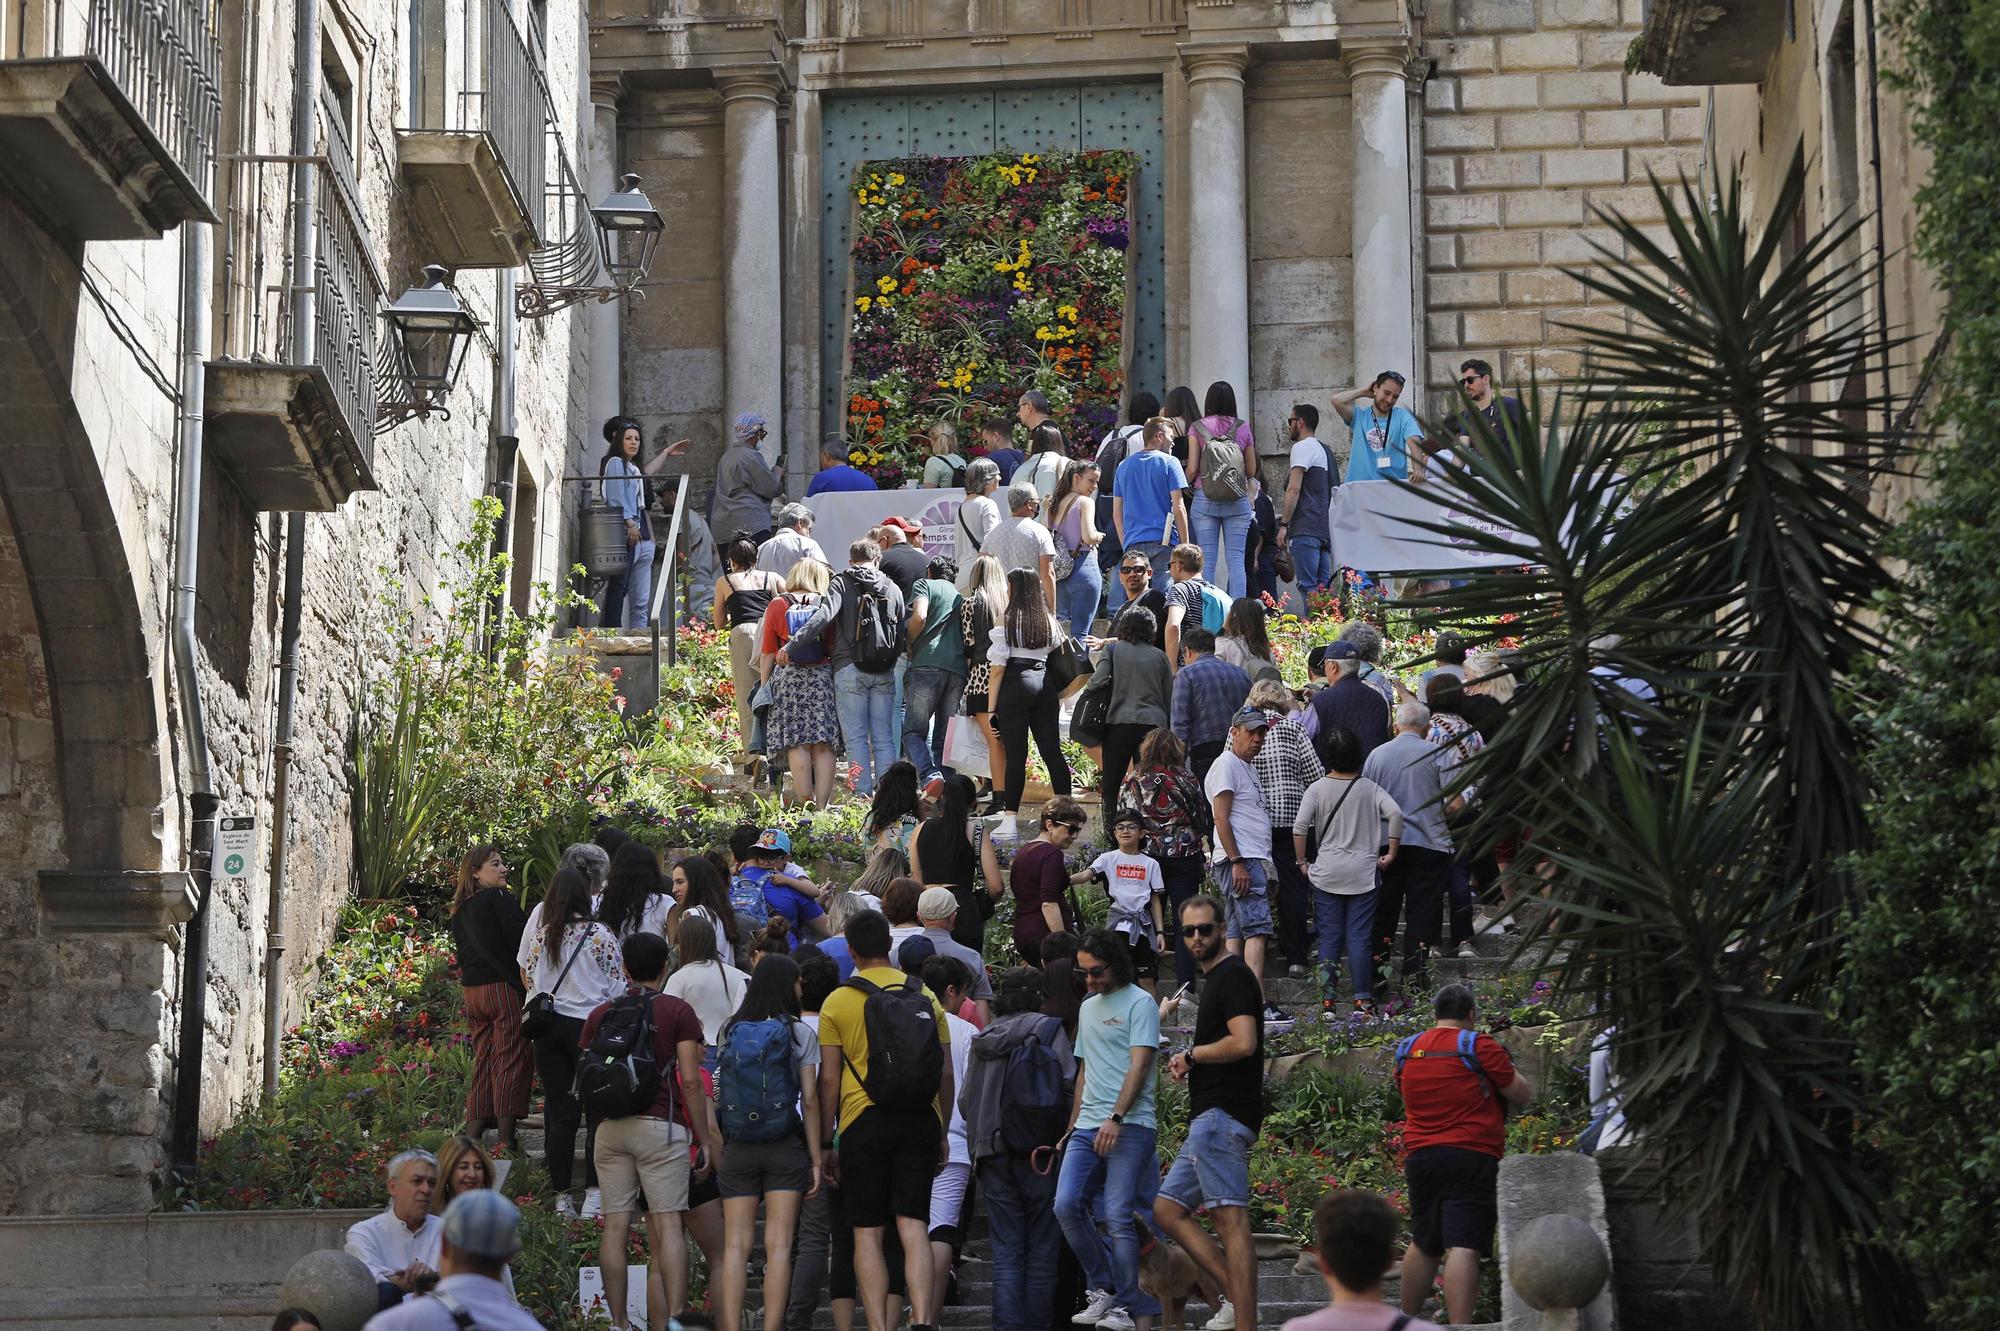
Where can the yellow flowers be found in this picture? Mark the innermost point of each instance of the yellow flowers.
(857, 457)
(1060, 333)
(1022, 174)
(961, 379)
(886, 285)
(863, 302)
(870, 191)
(1023, 257)
(896, 178)
(1067, 313)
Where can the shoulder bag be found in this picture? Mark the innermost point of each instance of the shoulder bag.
(538, 1014)
(1068, 662)
(1093, 706)
(1313, 842)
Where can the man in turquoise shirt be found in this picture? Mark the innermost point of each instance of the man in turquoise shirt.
(1111, 1145)
(1388, 442)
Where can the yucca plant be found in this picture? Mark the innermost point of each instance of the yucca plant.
(397, 791)
(1698, 553)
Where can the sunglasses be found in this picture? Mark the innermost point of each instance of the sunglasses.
(1092, 972)
(1074, 827)
(1470, 380)
(1197, 930)
(1398, 379)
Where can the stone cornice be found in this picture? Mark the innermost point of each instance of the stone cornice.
(110, 901)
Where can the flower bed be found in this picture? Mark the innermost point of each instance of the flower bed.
(975, 279)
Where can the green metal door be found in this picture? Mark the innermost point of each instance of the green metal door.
(970, 124)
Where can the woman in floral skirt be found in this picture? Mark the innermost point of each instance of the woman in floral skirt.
(803, 717)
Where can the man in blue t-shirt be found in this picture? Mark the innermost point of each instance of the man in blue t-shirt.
(786, 890)
(998, 441)
(1388, 442)
(834, 473)
(1147, 506)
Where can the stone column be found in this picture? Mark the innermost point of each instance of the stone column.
(607, 392)
(1218, 222)
(1385, 335)
(752, 253)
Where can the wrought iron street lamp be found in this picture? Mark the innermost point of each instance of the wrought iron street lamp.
(627, 212)
(429, 335)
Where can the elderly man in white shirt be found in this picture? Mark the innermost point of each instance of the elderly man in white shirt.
(1019, 541)
(400, 1246)
(481, 1230)
(792, 542)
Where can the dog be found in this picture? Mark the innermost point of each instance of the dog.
(1168, 1274)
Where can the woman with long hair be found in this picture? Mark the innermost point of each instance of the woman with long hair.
(1073, 522)
(1183, 408)
(701, 892)
(803, 720)
(893, 813)
(1221, 524)
(1018, 696)
(705, 980)
(462, 1167)
(781, 1165)
(635, 896)
(486, 928)
(742, 595)
(1163, 788)
(621, 483)
(570, 956)
(982, 603)
(1245, 642)
(951, 849)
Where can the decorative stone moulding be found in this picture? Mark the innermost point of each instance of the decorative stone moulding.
(109, 901)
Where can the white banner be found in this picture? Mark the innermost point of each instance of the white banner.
(1373, 531)
(844, 517)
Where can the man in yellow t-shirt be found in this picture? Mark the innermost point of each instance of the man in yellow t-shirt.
(886, 1158)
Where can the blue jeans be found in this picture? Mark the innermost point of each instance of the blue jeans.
(1221, 530)
(1020, 1212)
(1091, 1185)
(1345, 923)
(639, 587)
(930, 699)
(1078, 594)
(1157, 553)
(1313, 561)
(867, 705)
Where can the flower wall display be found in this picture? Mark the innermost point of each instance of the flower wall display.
(975, 279)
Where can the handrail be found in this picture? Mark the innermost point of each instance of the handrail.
(668, 586)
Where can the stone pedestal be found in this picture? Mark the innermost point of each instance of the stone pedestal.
(753, 266)
(1385, 335)
(1218, 225)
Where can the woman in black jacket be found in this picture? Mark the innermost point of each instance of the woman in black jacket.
(486, 925)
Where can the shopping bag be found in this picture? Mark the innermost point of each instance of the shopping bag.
(965, 747)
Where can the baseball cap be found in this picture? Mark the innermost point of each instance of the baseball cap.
(748, 426)
(1252, 718)
(483, 1224)
(1132, 816)
(774, 838)
(904, 525)
(914, 952)
(937, 903)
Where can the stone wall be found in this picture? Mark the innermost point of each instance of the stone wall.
(1530, 123)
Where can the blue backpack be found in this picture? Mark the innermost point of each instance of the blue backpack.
(746, 899)
(802, 651)
(1407, 1050)
(757, 1083)
(1214, 607)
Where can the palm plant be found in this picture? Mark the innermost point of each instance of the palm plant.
(1699, 555)
(398, 791)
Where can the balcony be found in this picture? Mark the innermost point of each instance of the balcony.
(474, 160)
(109, 114)
(301, 437)
(1710, 41)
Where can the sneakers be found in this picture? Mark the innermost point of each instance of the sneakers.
(1098, 1304)
(1115, 1320)
(1224, 1319)
(1296, 971)
(1467, 952)
(1006, 828)
(565, 1206)
(593, 1204)
(1276, 1018)
(934, 787)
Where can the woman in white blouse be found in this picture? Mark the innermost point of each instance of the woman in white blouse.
(567, 954)
(1016, 692)
(704, 981)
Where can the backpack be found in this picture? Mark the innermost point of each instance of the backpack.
(802, 651)
(878, 633)
(758, 1081)
(1407, 1050)
(1214, 607)
(1034, 1110)
(905, 1057)
(958, 466)
(619, 1074)
(1221, 467)
(1115, 451)
(746, 899)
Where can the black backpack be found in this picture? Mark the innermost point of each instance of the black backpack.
(619, 1075)
(905, 1052)
(878, 634)
(1034, 1105)
(958, 466)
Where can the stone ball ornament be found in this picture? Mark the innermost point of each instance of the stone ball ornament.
(332, 1284)
(1558, 1262)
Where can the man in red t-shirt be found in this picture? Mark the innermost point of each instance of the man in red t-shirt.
(650, 1148)
(1456, 1131)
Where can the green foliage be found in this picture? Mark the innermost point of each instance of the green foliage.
(1919, 944)
(1700, 561)
(397, 787)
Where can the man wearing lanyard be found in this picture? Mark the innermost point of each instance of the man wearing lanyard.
(1388, 442)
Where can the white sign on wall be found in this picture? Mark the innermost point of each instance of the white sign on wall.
(235, 851)
(844, 517)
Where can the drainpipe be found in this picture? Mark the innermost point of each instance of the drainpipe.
(1881, 240)
(507, 444)
(202, 802)
(305, 183)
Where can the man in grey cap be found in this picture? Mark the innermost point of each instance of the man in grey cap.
(937, 912)
(481, 1231)
(792, 543)
(1241, 862)
(745, 484)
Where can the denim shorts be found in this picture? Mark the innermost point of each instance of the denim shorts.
(1245, 916)
(1213, 1168)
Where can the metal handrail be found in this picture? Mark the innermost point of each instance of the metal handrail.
(668, 587)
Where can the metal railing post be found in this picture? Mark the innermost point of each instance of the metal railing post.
(667, 589)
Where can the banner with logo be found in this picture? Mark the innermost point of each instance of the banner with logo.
(1373, 530)
(840, 519)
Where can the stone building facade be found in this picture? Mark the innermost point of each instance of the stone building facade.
(1328, 187)
(145, 230)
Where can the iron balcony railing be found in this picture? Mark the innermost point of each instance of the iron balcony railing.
(163, 55)
(349, 301)
(496, 90)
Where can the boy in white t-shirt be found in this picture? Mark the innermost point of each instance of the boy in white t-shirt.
(1137, 887)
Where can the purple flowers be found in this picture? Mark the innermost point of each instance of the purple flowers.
(347, 1048)
(1108, 231)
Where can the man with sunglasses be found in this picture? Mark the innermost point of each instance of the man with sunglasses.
(1224, 1072)
(1504, 415)
(1109, 1165)
(1388, 444)
(1135, 576)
